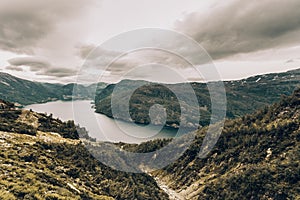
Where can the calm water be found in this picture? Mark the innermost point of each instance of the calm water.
(100, 126)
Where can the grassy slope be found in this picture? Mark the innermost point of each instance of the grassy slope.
(42, 159)
(257, 157)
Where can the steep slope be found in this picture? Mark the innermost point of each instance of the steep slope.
(26, 92)
(29, 122)
(243, 97)
(42, 158)
(256, 157)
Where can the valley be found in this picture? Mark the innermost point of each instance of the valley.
(256, 157)
(149, 100)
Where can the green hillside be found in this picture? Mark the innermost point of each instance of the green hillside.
(243, 97)
(26, 92)
(42, 158)
(256, 157)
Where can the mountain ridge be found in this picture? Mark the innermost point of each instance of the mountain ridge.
(243, 97)
(26, 92)
(256, 157)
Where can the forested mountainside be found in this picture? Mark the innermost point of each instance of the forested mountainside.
(42, 158)
(243, 97)
(26, 92)
(256, 157)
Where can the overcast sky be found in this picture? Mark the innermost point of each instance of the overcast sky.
(49, 40)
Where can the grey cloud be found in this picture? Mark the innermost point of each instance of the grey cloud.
(58, 72)
(39, 65)
(14, 68)
(24, 24)
(92, 52)
(294, 60)
(35, 63)
(19, 33)
(244, 26)
(85, 50)
(161, 47)
(101, 58)
(290, 61)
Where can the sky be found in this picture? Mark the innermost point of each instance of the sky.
(55, 40)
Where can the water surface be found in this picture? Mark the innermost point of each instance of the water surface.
(100, 126)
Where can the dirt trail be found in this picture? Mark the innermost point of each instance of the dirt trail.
(173, 195)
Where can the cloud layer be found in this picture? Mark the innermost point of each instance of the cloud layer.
(55, 37)
(23, 25)
(244, 26)
(39, 65)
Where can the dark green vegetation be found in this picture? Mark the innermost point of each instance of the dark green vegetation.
(29, 122)
(26, 92)
(243, 96)
(41, 158)
(256, 157)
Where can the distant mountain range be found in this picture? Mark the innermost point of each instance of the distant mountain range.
(256, 157)
(26, 92)
(243, 97)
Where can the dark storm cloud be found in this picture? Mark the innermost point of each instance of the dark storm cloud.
(24, 23)
(244, 26)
